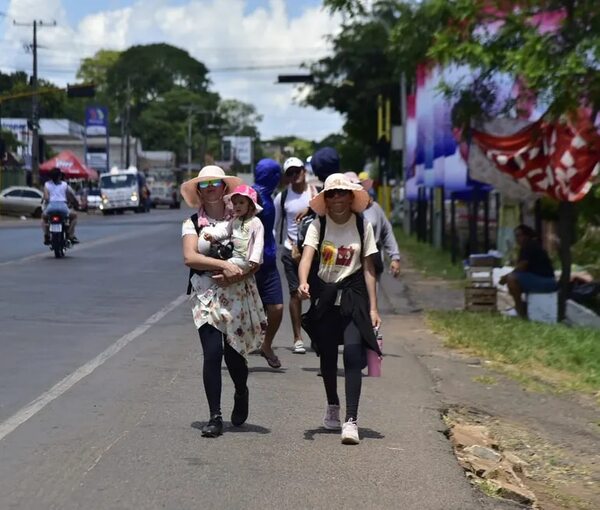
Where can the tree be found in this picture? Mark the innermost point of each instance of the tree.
(238, 118)
(350, 80)
(163, 124)
(560, 66)
(95, 69)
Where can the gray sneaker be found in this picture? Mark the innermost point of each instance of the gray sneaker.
(299, 347)
(331, 420)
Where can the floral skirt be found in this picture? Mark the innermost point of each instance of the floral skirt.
(235, 310)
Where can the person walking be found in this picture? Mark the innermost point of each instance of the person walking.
(382, 229)
(288, 205)
(226, 306)
(267, 175)
(343, 296)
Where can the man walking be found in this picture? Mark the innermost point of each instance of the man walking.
(289, 203)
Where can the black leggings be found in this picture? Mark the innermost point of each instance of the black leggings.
(214, 347)
(355, 357)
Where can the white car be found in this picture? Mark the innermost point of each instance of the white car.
(21, 200)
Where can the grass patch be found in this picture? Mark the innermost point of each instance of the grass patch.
(426, 258)
(567, 358)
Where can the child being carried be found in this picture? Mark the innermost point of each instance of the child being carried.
(245, 230)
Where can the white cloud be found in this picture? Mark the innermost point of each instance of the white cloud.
(217, 32)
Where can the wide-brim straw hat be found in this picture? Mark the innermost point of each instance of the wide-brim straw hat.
(365, 182)
(208, 173)
(340, 181)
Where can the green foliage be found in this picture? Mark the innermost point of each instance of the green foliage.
(163, 123)
(586, 251)
(95, 69)
(566, 356)
(426, 258)
(238, 118)
(361, 68)
(9, 139)
(560, 67)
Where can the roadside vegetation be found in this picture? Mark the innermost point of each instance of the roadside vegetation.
(566, 358)
(426, 258)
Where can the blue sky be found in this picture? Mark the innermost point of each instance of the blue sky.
(77, 9)
(220, 33)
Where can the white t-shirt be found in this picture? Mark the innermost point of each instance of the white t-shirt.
(340, 251)
(294, 203)
(56, 192)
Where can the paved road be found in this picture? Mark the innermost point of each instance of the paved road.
(100, 382)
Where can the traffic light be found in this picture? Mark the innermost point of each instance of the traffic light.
(83, 90)
(295, 78)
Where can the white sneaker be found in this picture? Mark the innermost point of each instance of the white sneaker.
(331, 420)
(299, 347)
(350, 432)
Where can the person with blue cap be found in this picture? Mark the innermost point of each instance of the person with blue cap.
(267, 175)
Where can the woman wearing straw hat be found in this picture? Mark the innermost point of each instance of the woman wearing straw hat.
(226, 306)
(345, 312)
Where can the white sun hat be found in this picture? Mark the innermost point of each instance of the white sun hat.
(340, 181)
(208, 173)
(292, 163)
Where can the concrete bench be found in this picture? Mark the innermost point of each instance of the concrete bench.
(543, 307)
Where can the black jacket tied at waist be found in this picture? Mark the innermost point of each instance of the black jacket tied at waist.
(354, 304)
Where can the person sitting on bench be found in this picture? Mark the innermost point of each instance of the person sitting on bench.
(533, 272)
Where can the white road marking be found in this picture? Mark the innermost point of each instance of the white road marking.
(68, 382)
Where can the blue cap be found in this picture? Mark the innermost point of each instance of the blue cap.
(325, 162)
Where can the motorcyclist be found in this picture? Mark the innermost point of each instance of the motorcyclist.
(57, 195)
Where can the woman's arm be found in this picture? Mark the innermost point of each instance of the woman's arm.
(195, 260)
(308, 253)
(369, 272)
(223, 281)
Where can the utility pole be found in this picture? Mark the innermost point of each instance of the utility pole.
(35, 146)
(127, 126)
(191, 110)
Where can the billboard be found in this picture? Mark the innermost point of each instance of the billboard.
(96, 121)
(241, 147)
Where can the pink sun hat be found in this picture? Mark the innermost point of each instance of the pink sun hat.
(246, 191)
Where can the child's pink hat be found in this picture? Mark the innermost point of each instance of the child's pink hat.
(246, 191)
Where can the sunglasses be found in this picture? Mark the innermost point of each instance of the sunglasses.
(212, 182)
(291, 172)
(330, 193)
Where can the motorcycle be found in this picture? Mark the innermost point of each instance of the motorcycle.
(59, 226)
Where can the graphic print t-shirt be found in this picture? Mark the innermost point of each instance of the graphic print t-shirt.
(340, 251)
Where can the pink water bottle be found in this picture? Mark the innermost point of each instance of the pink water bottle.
(374, 359)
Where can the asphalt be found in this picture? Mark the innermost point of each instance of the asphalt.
(122, 436)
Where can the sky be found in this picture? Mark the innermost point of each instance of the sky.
(220, 33)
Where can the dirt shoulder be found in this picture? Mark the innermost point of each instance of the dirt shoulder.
(557, 436)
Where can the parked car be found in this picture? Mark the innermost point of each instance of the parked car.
(21, 200)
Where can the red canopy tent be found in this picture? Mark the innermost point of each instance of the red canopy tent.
(70, 166)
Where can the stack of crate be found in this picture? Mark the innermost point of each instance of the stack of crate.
(480, 293)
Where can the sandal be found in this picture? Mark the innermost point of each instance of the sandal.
(273, 361)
